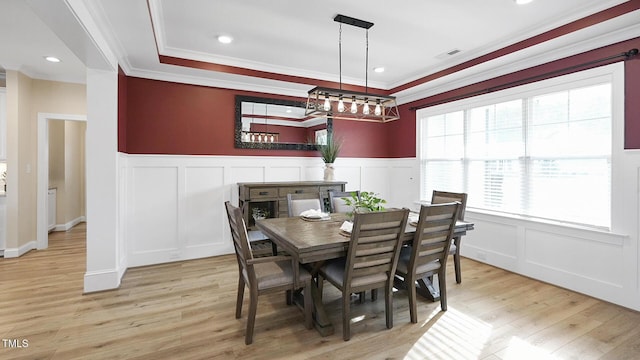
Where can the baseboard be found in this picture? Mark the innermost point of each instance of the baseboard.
(69, 225)
(17, 252)
(95, 281)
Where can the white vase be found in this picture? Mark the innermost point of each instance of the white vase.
(328, 172)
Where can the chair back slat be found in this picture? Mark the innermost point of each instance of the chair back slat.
(434, 231)
(443, 197)
(374, 245)
(240, 240)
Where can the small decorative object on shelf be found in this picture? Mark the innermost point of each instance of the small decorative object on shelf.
(259, 214)
(367, 202)
(329, 153)
(4, 180)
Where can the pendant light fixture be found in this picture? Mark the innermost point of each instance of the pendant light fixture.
(329, 102)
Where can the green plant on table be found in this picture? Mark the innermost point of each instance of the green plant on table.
(367, 202)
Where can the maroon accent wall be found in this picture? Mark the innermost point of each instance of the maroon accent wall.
(181, 119)
(403, 131)
(172, 118)
(632, 103)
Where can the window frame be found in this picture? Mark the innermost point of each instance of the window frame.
(613, 73)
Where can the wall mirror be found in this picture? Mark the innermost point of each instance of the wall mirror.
(263, 123)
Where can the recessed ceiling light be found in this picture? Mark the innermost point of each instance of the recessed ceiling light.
(378, 69)
(225, 39)
(522, 2)
(52, 59)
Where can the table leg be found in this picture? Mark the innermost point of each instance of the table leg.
(322, 322)
(426, 289)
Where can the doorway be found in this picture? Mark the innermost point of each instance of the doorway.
(76, 162)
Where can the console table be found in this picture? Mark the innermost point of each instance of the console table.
(269, 199)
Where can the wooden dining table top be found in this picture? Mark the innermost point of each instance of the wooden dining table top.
(316, 240)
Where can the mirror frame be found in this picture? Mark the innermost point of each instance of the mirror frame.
(270, 146)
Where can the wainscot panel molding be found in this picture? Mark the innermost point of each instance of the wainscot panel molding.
(175, 204)
(583, 260)
(174, 211)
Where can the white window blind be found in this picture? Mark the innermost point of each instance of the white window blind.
(544, 155)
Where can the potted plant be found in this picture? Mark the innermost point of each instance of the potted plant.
(367, 202)
(329, 153)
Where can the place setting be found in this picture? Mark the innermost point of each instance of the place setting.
(314, 215)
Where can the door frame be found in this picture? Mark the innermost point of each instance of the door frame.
(43, 172)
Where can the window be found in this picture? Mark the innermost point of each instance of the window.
(543, 152)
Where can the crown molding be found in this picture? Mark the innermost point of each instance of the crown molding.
(565, 46)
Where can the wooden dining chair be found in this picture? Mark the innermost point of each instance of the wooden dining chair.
(441, 197)
(371, 261)
(337, 203)
(297, 203)
(264, 275)
(429, 251)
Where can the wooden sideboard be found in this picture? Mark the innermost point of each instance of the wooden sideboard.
(270, 198)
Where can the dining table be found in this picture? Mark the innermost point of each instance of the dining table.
(314, 241)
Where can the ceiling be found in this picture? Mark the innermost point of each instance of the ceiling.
(287, 38)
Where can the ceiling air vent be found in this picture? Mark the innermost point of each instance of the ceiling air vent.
(448, 53)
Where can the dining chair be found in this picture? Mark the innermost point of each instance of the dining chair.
(427, 255)
(264, 275)
(297, 203)
(337, 203)
(371, 260)
(441, 197)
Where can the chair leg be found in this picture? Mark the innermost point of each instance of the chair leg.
(388, 301)
(374, 294)
(413, 310)
(308, 307)
(289, 297)
(456, 260)
(240, 297)
(346, 315)
(442, 282)
(361, 296)
(251, 321)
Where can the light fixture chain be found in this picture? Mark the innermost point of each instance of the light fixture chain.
(340, 54)
(366, 64)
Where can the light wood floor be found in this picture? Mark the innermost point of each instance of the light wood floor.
(185, 310)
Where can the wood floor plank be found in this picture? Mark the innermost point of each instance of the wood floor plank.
(185, 310)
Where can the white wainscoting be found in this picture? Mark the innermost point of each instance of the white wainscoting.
(175, 204)
(174, 211)
(586, 261)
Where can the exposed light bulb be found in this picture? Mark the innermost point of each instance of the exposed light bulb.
(340, 104)
(327, 104)
(253, 137)
(354, 106)
(378, 109)
(272, 137)
(365, 107)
